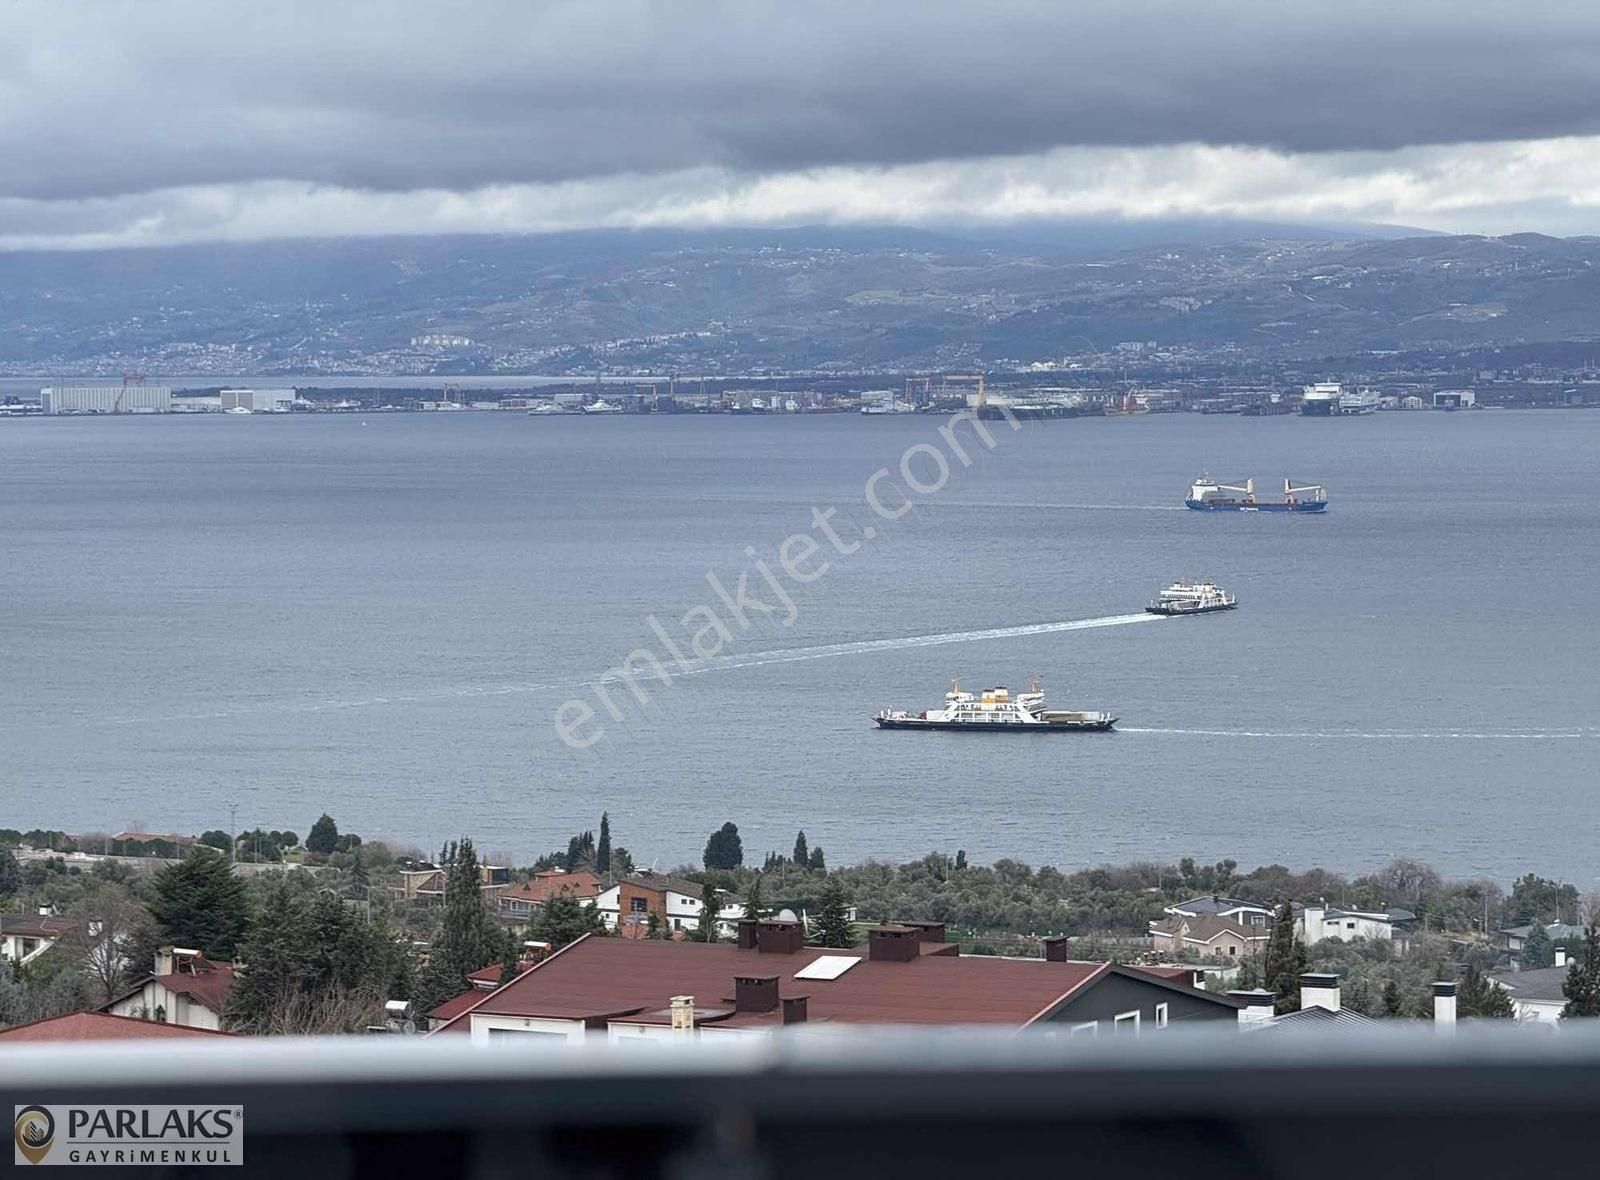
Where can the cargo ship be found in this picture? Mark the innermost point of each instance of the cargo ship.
(1192, 598)
(996, 709)
(1207, 495)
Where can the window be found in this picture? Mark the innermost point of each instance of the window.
(1127, 1022)
(1349, 925)
(638, 905)
(1233, 950)
(1161, 1016)
(1089, 1028)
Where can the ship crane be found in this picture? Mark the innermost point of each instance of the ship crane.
(1249, 488)
(1290, 491)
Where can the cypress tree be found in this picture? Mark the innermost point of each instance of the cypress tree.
(1285, 961)
(755, 903)
(834, 928)
(802, 855)
(818, 862)
(468, 937)
(710, 906)
(602, 852)
(1393, 1002)
(1582, 986)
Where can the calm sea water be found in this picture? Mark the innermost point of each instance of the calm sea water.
(380, 617)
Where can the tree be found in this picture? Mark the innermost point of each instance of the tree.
(10, 872)
(834, 928)
(200, 903)
(1582, 986)
(802, 855)
(468, 936)
(105, 922)
(961, 860)
(324, 837)
(564, 919)
(219, 840)
(602, 852)
(1478, 995)
(710, 907)
(755, 903)
(1394, 1003)
(818, 862)
(1537, 949)
(580, 852)
(1535, 899)
(724, 850)
(1285, 961)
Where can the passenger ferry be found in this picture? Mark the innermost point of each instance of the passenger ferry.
(1192, 598)
(996, 709)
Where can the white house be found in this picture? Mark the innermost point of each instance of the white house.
(186, 988)
(1315, 922)
(1537, 994)
(24, 937)
(626, 907)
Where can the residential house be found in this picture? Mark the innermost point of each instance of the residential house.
(24, 937)
(518, 902)
(1537, 995)
(1515, 937)
(1321, 1007)
(1244, 913)
(186, 989)
(626, 990)
(101, 1026)
(1315, 922)
(626, 907)
(1209, 937)
(425, 883)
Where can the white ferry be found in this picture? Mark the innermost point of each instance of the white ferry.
(1192, 598)
(601, 407)
(996, 709)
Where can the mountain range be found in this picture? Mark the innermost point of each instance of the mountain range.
(820, 299)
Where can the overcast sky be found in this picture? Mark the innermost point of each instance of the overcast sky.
(151, 121)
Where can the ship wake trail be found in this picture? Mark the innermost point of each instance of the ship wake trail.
(1377, 735)
(692, 667)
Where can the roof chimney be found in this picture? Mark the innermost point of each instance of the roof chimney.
(755, 993)
(746, 934)
(1318, 990)
(1311, 923)
(892, 944)
(928, 931)
(1444, 1006)
(1561, 956)
(682, 1014)
(163, 961)
(1055, 948)
(778, 938)
(794, 1009)
(1258, 1004)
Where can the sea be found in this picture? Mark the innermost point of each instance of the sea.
(402, 620)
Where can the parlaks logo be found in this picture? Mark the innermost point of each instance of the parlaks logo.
(117, 1136)
(34, 1131)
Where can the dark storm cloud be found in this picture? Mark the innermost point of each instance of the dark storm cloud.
(98, 99)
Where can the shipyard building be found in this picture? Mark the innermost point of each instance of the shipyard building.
(106, 399)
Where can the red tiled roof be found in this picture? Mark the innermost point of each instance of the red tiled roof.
(456, 1005)
(35, 925)
(100, 1026)
(548, 884)
(598, 976)
(210, 985)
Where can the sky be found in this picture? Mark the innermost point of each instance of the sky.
(149, 122)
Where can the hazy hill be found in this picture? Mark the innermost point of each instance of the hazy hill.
(741, 300)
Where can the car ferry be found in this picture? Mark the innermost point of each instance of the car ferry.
(1192, 598)
(995, 710)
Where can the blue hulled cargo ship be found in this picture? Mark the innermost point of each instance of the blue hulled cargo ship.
(1207, 495)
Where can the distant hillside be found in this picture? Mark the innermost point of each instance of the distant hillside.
(741, 301)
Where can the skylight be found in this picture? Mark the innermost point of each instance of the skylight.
(827, 967)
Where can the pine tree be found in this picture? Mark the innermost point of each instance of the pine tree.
(564, 919)
(1478, 995)
(1285, 961)
(1582, 986)
(10, 872)
(1537, 949)
(724, 850)
(602, 852)
(802, 855)
(755, 903)
(323, 838)
(834, 928)
(200, 903)
(818, 861)
(710, 907)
